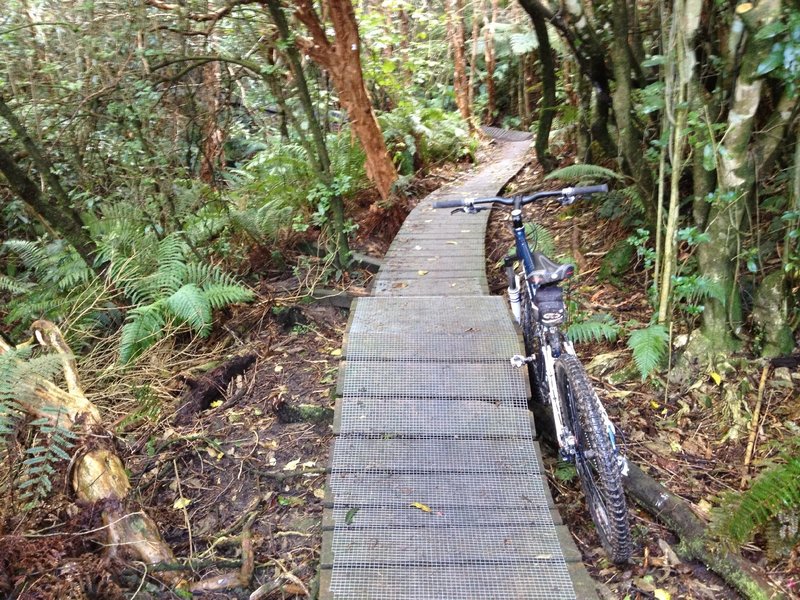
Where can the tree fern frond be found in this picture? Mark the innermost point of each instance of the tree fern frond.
(583, 172)
(144, 328)
(221, 295)
(696, 288)
(32, 254)
(191, 306)
(13, 286)
(650, 346)
(594, 329)
(775, 491)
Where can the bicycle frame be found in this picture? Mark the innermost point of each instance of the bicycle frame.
(565, 437)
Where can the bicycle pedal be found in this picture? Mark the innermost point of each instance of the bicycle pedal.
(520, 361)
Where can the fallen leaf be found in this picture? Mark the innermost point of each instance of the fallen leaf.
(662, 594)
(319, 493)
(348, 518)
(216, 403)
(337, 352)
(292, 465)
(421, 506)
(716, 377)
(452, 243)
(654, 405)
(420, 272)
(278, 368)
(308, 464)
(181, 503)
(290, 501)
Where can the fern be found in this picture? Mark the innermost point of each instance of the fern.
(650, 346)
(523, 43)
(191, 306)
(13, 286)
(594, 329)
(221, 295)
(39, 467)
(773, 496)
(696, 288)
(583, 172)
(145, 326)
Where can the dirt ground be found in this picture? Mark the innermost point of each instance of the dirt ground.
(255, 460)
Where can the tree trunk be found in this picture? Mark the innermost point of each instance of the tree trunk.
(491, 63)
(548, 102)
(323, 159)
(212, 144)
(680, 80)
(454, 10)
(477, 17)
(677, 515)
(342, 59)
(61, 218)
(736, 176)
(628, 134)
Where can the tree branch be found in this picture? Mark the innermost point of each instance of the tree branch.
(214, 15)
(319, 47)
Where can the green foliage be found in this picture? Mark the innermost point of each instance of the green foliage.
(539, 238)
(421, 136)
(783, 60)
(163, 279)
(19, 370)
(650, 346)
(689, 292)
(596, 328)
(53, 442)
(584, 173)
(771, 505)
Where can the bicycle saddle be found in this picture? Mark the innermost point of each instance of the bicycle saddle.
(549, 271)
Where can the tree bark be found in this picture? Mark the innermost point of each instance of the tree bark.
(342, 59)
(628, 134)
(60, 218)
(477, 17)
(454, 11)
(491, 63)
(212, 144)
(548, 102)
(736, 177)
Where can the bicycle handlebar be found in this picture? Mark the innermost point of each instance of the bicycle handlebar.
(569, 192)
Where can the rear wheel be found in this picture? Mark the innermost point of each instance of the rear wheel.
(595, 458)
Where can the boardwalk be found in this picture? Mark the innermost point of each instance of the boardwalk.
(436, 489)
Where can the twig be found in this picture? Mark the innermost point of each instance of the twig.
(185, 512)
(751, 441)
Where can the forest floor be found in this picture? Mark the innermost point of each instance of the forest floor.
(255, 460)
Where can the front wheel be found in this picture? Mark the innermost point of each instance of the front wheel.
(595, 457)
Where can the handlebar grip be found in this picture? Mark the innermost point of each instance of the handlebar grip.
(449, 204)
(591, 189)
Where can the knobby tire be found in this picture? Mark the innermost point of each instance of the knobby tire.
(596, 459)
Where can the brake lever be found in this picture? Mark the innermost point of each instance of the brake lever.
(470, 210)
(567, 200)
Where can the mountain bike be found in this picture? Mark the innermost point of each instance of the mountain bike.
(585, 434)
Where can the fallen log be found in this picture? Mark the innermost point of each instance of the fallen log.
(676, 514)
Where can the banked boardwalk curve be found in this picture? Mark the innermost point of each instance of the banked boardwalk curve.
(436, 488)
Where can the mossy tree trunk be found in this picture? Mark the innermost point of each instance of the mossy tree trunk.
(736, 177)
